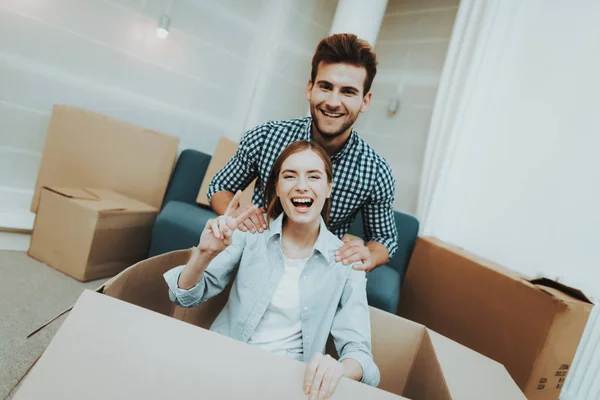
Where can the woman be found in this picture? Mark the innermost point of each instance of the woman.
(289, 293)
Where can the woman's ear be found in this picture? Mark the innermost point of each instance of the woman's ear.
(329, 190)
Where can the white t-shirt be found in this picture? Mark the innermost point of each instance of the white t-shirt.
(280, 329)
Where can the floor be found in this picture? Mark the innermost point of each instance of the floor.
(31, 293)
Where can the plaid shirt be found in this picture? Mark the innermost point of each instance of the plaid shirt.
(362, 179)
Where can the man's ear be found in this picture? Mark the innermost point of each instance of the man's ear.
(366, 102)
(309, 87)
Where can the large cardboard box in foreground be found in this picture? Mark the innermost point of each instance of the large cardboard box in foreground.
(85, 149)
(90, 233)
(108, 348)
(533, 327)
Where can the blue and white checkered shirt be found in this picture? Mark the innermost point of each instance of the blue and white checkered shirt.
(362, 179)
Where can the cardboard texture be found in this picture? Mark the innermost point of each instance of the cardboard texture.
(120, 349)
(532, 327)
(90, 233)
(223, 153)
(85, 149)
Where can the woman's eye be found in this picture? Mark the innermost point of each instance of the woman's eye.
(314, 177)
(287, 176)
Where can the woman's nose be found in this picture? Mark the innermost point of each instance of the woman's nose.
(301, 184)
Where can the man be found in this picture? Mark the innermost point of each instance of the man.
(343, 68)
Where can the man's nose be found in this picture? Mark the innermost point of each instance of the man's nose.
(334, 100)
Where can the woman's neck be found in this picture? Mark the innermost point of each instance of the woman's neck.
(298, 240)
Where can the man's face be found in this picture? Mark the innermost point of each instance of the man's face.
(336, 98)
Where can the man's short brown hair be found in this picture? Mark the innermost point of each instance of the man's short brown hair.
(349, 49)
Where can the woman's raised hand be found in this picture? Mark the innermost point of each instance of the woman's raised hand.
(216, 235)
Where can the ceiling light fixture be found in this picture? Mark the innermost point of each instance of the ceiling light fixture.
(163, 27)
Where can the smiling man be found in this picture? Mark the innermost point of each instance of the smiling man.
(343, 69)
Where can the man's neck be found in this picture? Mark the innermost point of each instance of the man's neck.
(331, 146)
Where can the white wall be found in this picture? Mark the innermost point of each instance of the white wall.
(411, 49)
(215, 75)
(523, 186)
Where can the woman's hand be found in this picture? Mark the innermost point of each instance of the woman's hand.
(322, 375)
(216, 235)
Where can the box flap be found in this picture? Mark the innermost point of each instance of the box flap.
(395, 345)
(73, 193)
(565, 292)
(477, 376)
(142, 284)
(126, 202)
(88, 198)
(426, 380)
(108, 349)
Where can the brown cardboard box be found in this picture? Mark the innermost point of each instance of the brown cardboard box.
(90, 233)
(111, 349)
(533, 327)
(224, 151)
(85, 149)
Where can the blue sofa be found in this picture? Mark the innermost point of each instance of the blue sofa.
(181, 221)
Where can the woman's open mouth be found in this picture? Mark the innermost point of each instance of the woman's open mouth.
(302, 204)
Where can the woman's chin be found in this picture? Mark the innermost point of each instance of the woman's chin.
(299, 217)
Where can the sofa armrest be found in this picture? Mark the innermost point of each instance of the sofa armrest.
(187, 177)
(178, 226)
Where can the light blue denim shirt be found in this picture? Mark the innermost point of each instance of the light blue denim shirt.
(333, 296)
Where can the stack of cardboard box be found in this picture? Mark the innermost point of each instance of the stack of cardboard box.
(100, 184)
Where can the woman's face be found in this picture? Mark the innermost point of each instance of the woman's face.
(302, 187)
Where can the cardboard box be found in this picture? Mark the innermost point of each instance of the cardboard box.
(90, 233)
(85, 149)
(532, 327)
(223, 153)
(111, 349)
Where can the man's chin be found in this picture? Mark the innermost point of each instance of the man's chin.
(330, 132)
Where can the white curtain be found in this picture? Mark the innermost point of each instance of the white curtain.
(471, 35)
(511, 168)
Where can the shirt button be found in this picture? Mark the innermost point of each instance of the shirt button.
(304, 277)
(305, 308)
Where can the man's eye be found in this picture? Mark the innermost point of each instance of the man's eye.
(325, 88)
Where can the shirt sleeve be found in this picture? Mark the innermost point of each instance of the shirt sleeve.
(242, 168)
(378, 211)
(351, 329)
(216, 277)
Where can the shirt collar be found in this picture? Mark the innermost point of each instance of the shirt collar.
(322, 245)
(351, 142)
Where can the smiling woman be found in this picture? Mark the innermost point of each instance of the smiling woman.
(289, 293)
